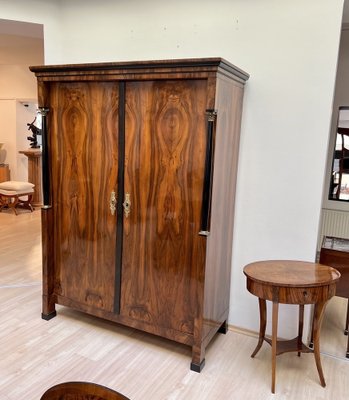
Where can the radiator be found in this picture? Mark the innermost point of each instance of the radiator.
(333, 223)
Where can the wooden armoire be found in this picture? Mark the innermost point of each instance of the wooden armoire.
(139, 174)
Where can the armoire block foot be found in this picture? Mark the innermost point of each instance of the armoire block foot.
(139, 173)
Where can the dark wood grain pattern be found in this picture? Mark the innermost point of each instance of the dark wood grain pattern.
(336, 255)
(291, 282)
(228, 103)
(83, 155)
(137, 70)
(81, 391)
(48, 277)
(4, 173)
(289, 273)
(163, 254)
(174, 282)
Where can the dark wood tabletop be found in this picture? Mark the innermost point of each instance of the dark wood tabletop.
(291, 273)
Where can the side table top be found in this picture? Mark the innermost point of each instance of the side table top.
(291, 273)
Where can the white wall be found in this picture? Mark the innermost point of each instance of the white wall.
(25, 113)
(39, 12)
(8, 132)
(16, 54)
(290, 49)
(14, 117)
(17, 83)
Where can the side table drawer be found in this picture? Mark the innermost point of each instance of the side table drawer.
(291, 295)
(306, 295)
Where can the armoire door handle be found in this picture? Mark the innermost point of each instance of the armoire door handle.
(127, 205)
(112, 202)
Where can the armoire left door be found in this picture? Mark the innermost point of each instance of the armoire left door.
(83, 157)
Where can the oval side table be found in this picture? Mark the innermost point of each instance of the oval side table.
(291, 282)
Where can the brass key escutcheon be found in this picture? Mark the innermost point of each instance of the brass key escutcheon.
(112, 203)
(127, 205)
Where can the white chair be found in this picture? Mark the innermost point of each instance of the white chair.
(12, 193)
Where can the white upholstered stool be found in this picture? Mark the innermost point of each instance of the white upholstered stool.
(12, 193)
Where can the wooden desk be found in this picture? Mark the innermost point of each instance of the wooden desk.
(291, 282)
(335, 252)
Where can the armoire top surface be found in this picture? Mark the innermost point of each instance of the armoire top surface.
(204, 65)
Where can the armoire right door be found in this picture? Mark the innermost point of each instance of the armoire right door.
(163, 256)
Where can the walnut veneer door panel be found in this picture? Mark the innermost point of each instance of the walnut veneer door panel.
(84, 158)
(163, 255)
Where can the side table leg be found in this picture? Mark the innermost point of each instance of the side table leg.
(274, 343)
(318, 316)
(262, 325)
(346, 330)
(347, 321)
(300, 328)
(311, 343)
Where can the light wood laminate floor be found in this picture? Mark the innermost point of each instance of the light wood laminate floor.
(36, 354)
(333, 340)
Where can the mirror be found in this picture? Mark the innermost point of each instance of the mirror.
(339, 182)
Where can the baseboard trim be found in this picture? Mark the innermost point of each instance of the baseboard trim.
(242, 331)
